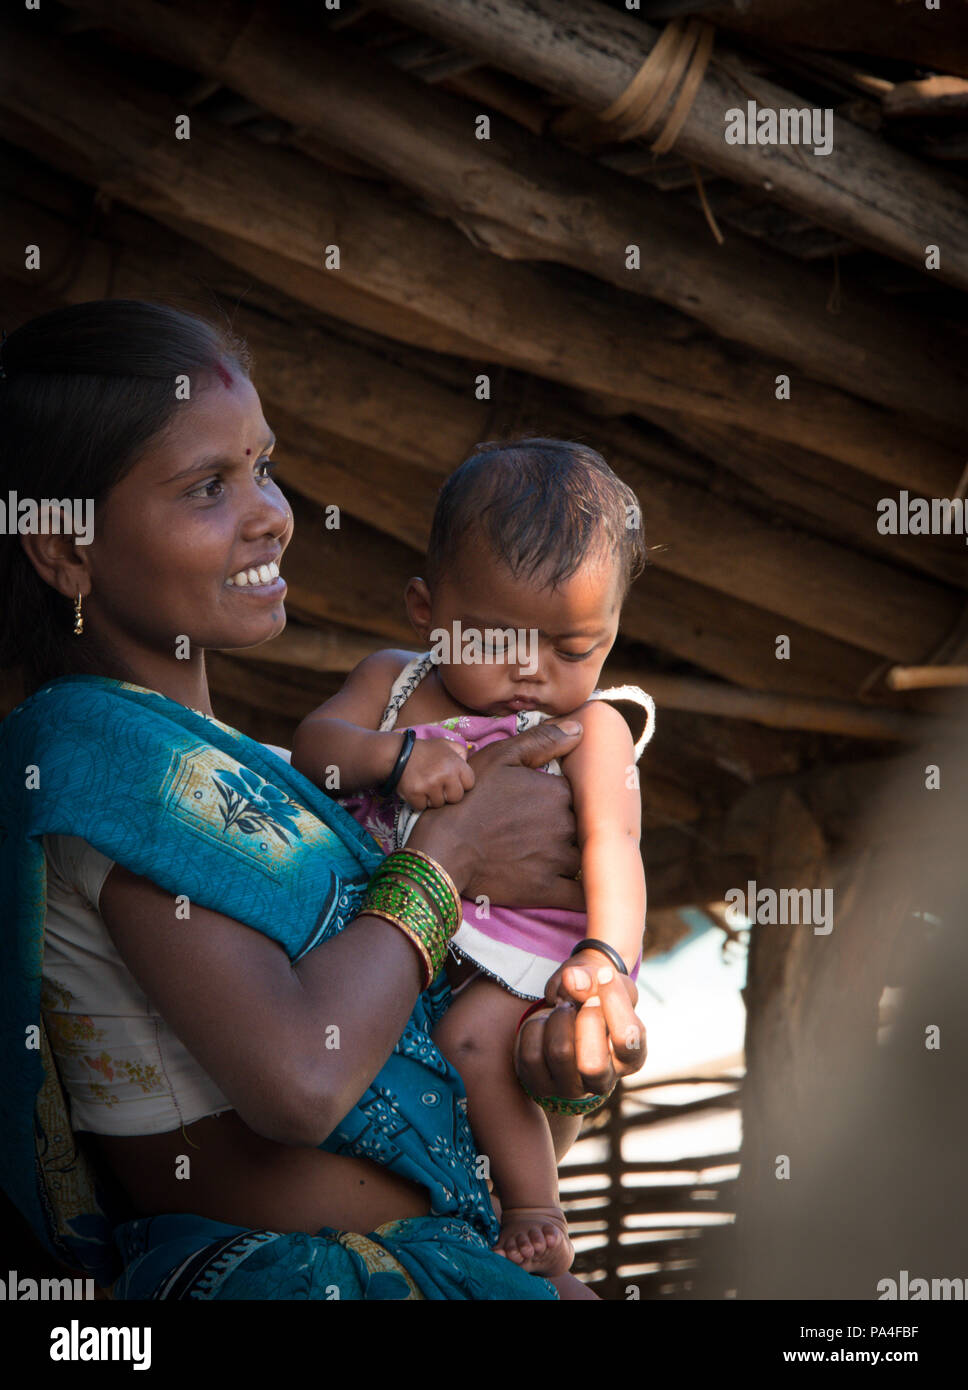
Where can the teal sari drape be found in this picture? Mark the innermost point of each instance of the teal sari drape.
(204, 811)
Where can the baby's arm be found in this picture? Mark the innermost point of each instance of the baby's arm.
(608, 814)
(343, 734)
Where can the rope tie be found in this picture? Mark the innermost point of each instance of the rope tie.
(676, 64)
(679, 57)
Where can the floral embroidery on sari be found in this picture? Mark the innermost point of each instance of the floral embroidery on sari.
(254, 805)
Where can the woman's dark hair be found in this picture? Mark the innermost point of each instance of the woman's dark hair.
(84, 390)
(544, 507)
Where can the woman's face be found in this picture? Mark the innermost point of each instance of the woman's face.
(173, 539)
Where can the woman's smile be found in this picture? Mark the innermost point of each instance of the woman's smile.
(262, 579)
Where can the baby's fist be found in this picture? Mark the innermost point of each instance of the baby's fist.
(576, 979)
(436, 774)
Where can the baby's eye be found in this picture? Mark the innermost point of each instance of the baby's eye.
(576, 656)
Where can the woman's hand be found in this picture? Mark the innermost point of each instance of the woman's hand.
(574, 1049)
(511, 838)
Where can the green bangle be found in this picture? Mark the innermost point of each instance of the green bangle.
(392, 897)
(416, 894)
(564, 1105)
(432, 878)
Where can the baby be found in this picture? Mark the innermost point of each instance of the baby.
(533, 548)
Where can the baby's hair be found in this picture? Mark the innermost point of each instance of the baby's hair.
(544, 507)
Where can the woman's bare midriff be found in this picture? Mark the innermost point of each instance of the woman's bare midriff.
(240, 1178)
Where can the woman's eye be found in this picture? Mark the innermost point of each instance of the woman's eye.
(270, 465)
(203, 490)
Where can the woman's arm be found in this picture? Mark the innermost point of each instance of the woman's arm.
(263, 1029)
(257, 1025)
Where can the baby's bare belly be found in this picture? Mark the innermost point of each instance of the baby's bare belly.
(238, 1177)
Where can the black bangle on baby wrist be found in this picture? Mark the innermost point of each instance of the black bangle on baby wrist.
(396, 772)
(592, 944)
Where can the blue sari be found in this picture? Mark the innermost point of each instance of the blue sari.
(202, 810)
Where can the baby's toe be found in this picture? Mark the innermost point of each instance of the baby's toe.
(537, 1239)
(512, 1249)
(525, 1246)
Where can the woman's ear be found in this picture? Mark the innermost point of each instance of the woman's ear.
(417, 598)
(56, 559)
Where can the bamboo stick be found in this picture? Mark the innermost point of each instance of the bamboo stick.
(926, 677)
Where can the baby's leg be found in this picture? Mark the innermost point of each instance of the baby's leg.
(476, 1034)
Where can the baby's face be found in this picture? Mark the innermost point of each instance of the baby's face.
(568, 634)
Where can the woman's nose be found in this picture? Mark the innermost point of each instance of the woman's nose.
(268, 511)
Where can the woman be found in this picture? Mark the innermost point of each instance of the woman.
(250, 1121)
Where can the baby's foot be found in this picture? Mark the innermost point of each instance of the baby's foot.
(536, 1238)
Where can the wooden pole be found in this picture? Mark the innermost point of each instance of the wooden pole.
(933, 96)
(796, 482)
(911, 33)
(449, 296)
(812, 999)
(335, 651)
(554, 204)
(712, 531)
(864, 189)
(737, 640)
(704, 379)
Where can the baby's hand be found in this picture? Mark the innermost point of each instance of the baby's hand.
(437, 774)
(575, 980)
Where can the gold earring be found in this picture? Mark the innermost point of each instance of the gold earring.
(78, 620)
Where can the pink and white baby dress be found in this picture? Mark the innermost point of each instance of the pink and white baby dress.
(521, 948)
